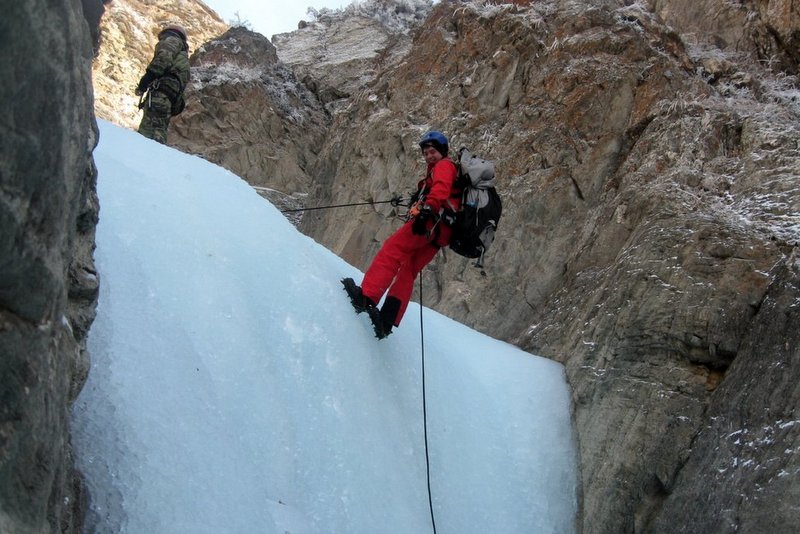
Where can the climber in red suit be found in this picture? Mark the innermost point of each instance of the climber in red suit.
(404, 254)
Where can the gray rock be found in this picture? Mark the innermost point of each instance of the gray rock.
(744, 464)
(247, 112)
(767, 30)
(342, 50)
(646, 205)
(48, 285)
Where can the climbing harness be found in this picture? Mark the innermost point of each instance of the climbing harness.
(146, 98)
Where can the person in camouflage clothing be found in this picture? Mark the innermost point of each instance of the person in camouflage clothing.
(162, 85)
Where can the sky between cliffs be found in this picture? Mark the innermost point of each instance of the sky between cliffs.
(269, 17)
(233, 389)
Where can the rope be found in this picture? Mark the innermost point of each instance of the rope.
(424, 406)
(396, 201)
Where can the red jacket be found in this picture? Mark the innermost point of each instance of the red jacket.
(437, 186)
(405, 253)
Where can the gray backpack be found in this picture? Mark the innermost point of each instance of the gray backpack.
(476, 222)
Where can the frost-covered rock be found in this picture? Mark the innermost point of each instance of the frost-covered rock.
(341, 51)
(651, 192)
(247, 112)
(742, 474)
(48, 282)
(767, 30)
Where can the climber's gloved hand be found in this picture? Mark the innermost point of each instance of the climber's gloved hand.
(420, 224)
(146, 80)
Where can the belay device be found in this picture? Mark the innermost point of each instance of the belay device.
(476, 223)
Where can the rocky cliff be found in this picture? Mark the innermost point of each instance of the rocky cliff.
(264, 112)
(247, 112)
(651, 213)
(648, 161)
(341, 50)
(48, 284)
(760, 30)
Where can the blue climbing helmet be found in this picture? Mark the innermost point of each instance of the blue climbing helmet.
(435, 139)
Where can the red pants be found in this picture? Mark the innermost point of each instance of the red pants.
(398, 263)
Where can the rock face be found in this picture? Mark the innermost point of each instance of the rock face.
(48, 284)
(650, 211)
(264, 114)
(766, 30)
(129, 32)
(342, 50)
(748, 451)
(248, 113)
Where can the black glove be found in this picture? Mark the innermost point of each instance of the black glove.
(146, 80)
(420, 224)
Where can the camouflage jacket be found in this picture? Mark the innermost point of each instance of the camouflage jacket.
(171, 64)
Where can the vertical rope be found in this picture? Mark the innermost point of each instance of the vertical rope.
(425, 406)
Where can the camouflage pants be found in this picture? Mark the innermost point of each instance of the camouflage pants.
(157, 112)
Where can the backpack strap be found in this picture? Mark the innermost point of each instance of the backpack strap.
(458, 191)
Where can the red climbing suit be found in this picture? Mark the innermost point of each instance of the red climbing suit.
(404, 254)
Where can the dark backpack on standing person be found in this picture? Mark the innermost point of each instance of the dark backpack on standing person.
(476, 222)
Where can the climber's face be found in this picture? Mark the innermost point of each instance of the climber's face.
(431, 155)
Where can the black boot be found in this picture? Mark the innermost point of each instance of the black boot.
(388, 315)
(377, 322)
(357, 299)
